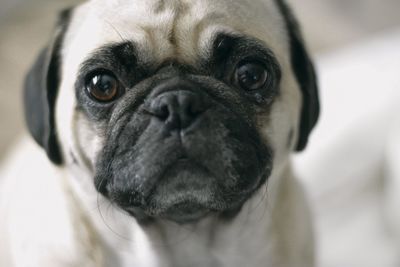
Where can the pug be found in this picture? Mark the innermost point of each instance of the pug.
(168, 127)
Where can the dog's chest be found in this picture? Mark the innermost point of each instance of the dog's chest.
(207, 247)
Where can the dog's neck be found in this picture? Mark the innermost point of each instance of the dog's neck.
(265, 230)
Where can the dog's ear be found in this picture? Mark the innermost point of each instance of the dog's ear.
(40, 92)
(305, 75)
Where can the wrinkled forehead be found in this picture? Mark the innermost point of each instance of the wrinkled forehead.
(165, 29)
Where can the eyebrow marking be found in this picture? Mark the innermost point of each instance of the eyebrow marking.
(121, 57)
(246, 43)
(206, 21)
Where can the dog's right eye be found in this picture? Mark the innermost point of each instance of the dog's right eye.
(103, 87)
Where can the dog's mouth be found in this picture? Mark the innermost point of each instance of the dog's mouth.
(182, 213)
(186, 212)
(187, 181)
(157, 167)
(185, 192)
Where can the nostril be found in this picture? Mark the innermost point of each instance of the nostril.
(159, 108)
(163, 113)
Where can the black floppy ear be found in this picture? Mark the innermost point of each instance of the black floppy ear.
(305, 75)
(40, 93)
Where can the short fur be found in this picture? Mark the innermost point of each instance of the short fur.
(212, 189)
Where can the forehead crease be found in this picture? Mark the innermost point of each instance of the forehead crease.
(172, 29)
(181, 33)
(151, 25)
(169, 30)
(162, 5)
(159, 6)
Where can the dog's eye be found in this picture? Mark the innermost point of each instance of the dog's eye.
(251, 76)
(103, 87)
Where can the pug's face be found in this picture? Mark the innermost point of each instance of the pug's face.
(177, 109)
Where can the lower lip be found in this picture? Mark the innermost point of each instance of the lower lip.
(186, 219)
(185, 213)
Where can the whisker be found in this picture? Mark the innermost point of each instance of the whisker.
(115, 29)
(105, 221)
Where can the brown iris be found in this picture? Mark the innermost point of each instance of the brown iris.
(251, 76)
(103, 87)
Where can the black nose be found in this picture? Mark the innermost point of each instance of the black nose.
(178, 109)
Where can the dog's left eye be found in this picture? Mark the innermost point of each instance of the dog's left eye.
(251, 76)
(103, 87)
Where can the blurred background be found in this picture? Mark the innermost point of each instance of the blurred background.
(350, 168)
(25, 27)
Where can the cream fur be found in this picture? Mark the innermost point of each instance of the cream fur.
(274, 227)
